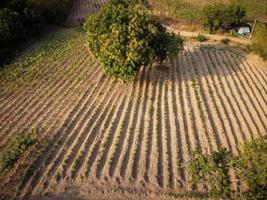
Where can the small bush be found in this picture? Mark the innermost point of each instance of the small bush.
(259, 44)
(17, 146)
(225, 41)
(212, 171)
(201, 38)
(125, 36)
(223, 17)
(250, 167)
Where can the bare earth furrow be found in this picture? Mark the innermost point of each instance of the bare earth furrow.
(33, 105)
(149, 129)
(123, 136)
(41, 109)
(64, 155)
(225, 99)
(257, 70)
(85, 137)
(193, 135)
(23, 94)
(95, 146)
(214, 116)
(70, 122)
(104, 117)
(226, 93)
(176, 126)
(132, 125)
(158, 124)
(229, 85)
(40, 89)
(185, 137)
(246, 95)
(250, 79)
(246, 80)
(209, 126)
(197, 107)
(244, 101)
(138, 159)
(222, 113)
(171, 158)
(66, 107)
(6, 99)
(254, 76)
(108, 140)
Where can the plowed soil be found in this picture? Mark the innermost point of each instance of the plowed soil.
(107, 136)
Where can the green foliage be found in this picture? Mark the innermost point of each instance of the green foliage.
(125, 36)
(181, 8)
(177, 8)
(250, 167)
(225, 41)
(223, 17)
(213, 171)
(200, 38)
(255, 8)
(16, 148)
(259, 44)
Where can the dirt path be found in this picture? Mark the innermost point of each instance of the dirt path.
(214, 37)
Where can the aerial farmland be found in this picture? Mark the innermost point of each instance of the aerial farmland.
(70, 130)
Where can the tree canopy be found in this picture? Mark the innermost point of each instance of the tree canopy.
(124, 36)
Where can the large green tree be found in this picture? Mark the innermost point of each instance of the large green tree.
(123, 36)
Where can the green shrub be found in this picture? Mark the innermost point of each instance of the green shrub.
(16, 148)
(200, 38)
(225, 41)
(213, 171)
(250, 167)
(123, 37)
(223, 17)
(259, 44)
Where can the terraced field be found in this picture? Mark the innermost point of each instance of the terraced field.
(106, 135)
(82, 9)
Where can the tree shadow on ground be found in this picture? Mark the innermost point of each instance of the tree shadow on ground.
(199, 61)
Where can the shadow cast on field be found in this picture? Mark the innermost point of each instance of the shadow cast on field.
(200, 61)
